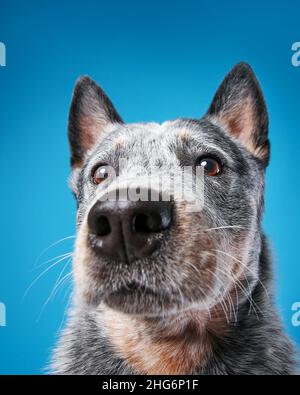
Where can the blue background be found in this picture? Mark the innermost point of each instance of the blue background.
(157, 60)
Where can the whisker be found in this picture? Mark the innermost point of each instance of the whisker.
(40, 275)
(52, 245)
(246, 267)
(53, 259)
(60, 275)
(237, 301)
(53, 292)
(244, 291)
(224, 227)
(218, 298)
(221, 300)
(240, 285)
(67, 307)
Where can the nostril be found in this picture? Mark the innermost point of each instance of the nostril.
(148, 223)
(141, 223)
(102, 226)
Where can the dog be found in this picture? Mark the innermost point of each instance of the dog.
(160, 289)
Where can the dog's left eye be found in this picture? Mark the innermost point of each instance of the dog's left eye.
(100, 174)
(211, 166)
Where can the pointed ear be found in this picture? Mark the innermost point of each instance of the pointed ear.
(91, 112)
(239, 105)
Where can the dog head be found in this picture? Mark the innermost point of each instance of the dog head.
(155, 256)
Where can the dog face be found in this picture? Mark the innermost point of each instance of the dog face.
(156, 258)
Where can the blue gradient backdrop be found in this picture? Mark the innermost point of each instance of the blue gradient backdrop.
(157, 60)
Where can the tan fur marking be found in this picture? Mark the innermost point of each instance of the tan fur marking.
(262, 152)
(179, 347)
(120, 142)
(77, 165)
(184, 135)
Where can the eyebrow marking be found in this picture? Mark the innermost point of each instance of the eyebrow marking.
(184, 134)
(120, 142)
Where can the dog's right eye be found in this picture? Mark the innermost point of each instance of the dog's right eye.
(100, 174)
(211, 166)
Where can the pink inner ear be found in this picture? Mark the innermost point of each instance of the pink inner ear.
(241, 122)
(91, 130)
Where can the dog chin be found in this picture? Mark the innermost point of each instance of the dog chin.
(141, 301)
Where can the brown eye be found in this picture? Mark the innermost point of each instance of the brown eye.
(100, 174)
(211, 166)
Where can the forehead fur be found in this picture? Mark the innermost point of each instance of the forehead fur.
(161, 144)
(181, 130)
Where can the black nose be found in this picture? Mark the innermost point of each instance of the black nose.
(128, 230)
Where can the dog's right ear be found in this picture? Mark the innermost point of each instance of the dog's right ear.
(239, 105)
(90, 113)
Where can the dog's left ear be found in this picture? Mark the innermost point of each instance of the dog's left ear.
(91, 112)
(239, 105)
